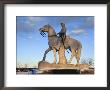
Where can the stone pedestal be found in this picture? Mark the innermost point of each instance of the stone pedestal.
(44, 66)
(62, 58)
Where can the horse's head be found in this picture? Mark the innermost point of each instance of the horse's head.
(44, 29)
(47, 28)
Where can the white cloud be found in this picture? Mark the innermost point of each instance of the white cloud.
(29, 37)
(34, 19)
(28, 24)
(78, 31)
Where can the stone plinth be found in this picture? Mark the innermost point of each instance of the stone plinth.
(62, 58)
(45, 66)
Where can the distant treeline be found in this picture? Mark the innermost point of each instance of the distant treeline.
(25, 69)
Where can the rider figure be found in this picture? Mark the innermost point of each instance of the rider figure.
(62, 33)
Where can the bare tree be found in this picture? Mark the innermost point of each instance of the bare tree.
(84, 61)
(18, 65)
(26, 66)
(89, 61)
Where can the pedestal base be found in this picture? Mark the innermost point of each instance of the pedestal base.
(46, 67)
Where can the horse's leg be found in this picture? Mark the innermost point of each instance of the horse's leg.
(49, 49)
(54, 51)
(78, 56)
(72, 55)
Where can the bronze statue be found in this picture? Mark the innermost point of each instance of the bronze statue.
(55, 43)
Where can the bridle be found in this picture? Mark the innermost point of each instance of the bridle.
(52, 35)
(42, 33)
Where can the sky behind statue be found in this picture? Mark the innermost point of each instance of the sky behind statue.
(31, 45)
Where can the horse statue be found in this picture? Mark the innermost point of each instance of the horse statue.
(55, 42)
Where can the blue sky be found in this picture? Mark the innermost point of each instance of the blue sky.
(31, 45)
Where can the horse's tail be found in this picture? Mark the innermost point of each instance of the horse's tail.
(80, 45)
(78, 50)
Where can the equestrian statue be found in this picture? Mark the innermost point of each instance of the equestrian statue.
(56, 40)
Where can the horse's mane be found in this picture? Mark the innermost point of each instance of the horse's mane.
(51, 28)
